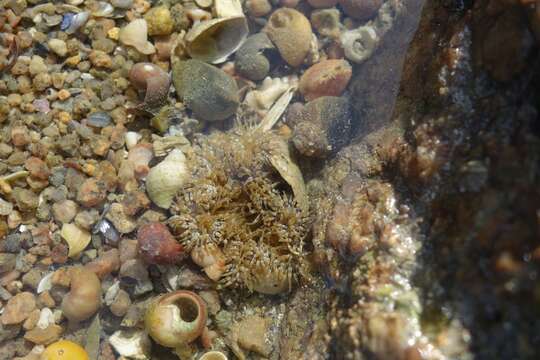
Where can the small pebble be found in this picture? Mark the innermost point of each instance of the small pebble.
(64, 211)
(58, 46)
(159, 21)
(18, 308)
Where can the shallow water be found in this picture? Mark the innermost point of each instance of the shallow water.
(318, 179)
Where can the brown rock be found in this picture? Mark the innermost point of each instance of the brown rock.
(44, 336)
(129, 249)
(45, 300)
(99, 58)
(37, 168)
(64, 211)
(252, 335)
(361, 9)
(18, 308)
(31, 320)
(326, 78)
(91, 193)
(134, 201)
(20, 136)
(322, 3)
(121, 303)
(105, 264)
(121, 221)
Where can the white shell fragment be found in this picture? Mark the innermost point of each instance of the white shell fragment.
(279, 156)
(214, 40)
(76, 238)
(133, 344)
(136, 34)
(45, 283)
(279, 107)
(166, 178)
(228, 8)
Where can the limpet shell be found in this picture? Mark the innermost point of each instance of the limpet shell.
(291, 32)
(214, 40)
(77, 238)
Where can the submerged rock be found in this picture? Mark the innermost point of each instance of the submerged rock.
(323, 126)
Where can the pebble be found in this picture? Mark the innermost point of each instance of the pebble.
(37, 168)
(101, 59)
(252, 335)
(7, 262)
(64, 211)
(31, 320)
(18, 308)
(322, 3)
(360, 9)
(105, 264)
(87, 218)
(121, 303)
(37, 65)
(159, 21)
(326, 78)
(58, 46)
(134, 276)
(129, 249)
(44, 336)
(281, 24)
(20, 136)
(91, 193)
(208, 91)
(257, 8)
(26, 200)
(121, 221)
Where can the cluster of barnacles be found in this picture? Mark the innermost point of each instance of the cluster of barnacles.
(238, 210)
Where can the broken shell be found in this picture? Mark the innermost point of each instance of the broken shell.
(279, 156)
(76, 21)
(76, 238)
(132, 137)
(84, 297)
(270, 90)
(228, 8)
(133, 344)
(326, 78)
(136, 34)
(176, 319)
(211, 259)
(102, 9)
(214, 40)
(291, 32)
(213, 355)
(45, 283)
(166, 178)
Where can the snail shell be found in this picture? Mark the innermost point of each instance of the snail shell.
(176, 319)
(166, 178)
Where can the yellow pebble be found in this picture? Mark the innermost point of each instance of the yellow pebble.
(63, 94)
(64, 117)
(64, 350)
(73, 60)
(113, 33)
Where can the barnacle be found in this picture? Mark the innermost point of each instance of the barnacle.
(238, 202)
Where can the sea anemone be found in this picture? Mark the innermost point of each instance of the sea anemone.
(238, 202)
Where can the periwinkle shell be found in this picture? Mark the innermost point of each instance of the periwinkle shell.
(208, 91)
